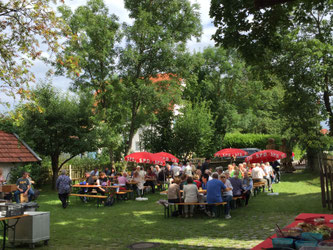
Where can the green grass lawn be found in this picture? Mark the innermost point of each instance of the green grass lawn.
(83, 226)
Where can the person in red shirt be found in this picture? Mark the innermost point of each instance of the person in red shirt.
(196, 181)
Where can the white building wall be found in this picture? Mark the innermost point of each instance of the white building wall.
(6, 167)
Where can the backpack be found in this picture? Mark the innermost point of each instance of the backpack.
(109, 201)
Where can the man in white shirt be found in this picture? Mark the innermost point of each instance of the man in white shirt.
(176, 170)
(188, 169)
(258, 174)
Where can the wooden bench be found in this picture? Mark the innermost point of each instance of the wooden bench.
(170, 205)
(98, 197)
(257, 186)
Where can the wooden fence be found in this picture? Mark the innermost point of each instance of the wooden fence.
(326, 180)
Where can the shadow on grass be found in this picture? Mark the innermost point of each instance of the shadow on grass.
(85, 226)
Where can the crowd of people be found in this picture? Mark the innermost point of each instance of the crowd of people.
(220, 186)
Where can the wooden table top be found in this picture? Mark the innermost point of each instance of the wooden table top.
(86, 186)
(14, 217)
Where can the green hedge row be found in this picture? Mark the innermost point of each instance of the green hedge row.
(237, 140)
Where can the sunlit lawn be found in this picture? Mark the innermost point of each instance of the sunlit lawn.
(83, 226)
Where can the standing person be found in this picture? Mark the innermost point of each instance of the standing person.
(23, 187)
(205, 165)
(63, 185)
(191, 194)
(188, 169)
(176, 170)
(107, 171)
(199, 166)
(139, 183)
(214, 193)
(247, 187)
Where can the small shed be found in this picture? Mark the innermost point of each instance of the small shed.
(14, 152)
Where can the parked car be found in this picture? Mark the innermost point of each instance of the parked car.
(250, 151)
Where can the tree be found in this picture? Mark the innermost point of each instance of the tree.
(95, 49)
(194, 131)
(54, 124)
(156, 39)
(159, 135)
(236, 100)
(24, 26)
(289, 43)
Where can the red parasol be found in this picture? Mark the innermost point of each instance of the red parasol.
(167, 157)
(265, 156)
(145, 157)
(230, 152)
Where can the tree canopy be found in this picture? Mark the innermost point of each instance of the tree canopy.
(53, 124)
(24, 26)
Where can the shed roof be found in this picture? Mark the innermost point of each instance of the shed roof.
(14, 150)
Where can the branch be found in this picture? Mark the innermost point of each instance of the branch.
(66, 161)
(260, 4)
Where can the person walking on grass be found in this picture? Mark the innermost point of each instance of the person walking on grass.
(63, 185)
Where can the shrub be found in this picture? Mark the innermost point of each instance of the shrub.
(40, 174)
(237, 140)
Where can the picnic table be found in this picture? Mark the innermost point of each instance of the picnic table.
(6, 226)
(298, 219)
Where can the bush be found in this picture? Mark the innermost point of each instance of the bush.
(40, 174)
(237, 140)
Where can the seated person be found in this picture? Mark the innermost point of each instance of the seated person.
(183, 182)
(258, 175)
(247, 187)
(214, 193)
(174, 195)
(237, 185)
(150, 179)
(196, 181)
(95, 172)
(107, 171)
(35, 192)
(122, 180)
(23, 187)
(89, 181)
(191, 194)
(204, 178)
(227, 195)
(102, 181)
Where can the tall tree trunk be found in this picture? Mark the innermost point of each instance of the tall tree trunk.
(312, 160)
(55, 169)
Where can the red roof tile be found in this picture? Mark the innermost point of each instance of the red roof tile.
(13, 150)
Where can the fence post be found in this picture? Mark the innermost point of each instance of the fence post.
(70, 171)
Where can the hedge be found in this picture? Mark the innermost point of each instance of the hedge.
(237, 140)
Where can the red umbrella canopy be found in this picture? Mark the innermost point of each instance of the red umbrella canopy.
(167, 157)
(144, 157)
(230, 152)
(265, 156)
